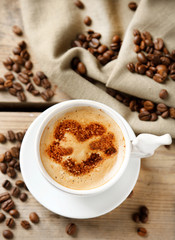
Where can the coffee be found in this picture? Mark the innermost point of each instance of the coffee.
(83, 148)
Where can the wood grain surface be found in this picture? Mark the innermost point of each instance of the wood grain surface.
(155, 189)
(10, 15)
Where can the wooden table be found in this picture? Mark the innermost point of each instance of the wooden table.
(155, 187)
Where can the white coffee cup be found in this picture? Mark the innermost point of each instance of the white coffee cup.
(142, 146)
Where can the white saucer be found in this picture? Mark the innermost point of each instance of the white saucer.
(62, 203)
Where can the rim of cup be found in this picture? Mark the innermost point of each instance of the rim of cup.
(66, 106)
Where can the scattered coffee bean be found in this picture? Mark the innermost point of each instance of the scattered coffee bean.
(7, 234)
(28, 65)
(25, 224)
(11, 136)
(132, 6)
(148, 105)
(8, 205)
(9, 76)
(79, 4)
(6, 184)
(81, 68)
(10, 222)
(12, 163)
(25, 55)
(8, 84)
(19, 136)
(19, 183)
(16, 192)
(144, 210)
(136, 217)
(14, 213)
(34, 218)
(17, 166)
(16, 68)
(3, 168)
(17, 30)
(131, 67)
(144, 218)
(21, 96)
(2, 138)
(144, 116)
(163, 94)
(18, 59)
(2, 217)
(23, 197)
(22, 44)
(14, 152)
(87, 21)
(142, 231)
(11, 172)
(12, 91)
(71, 229)
(172, 112)
(2, 157)
(161, 107)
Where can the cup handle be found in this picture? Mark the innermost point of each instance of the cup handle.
(144, 144)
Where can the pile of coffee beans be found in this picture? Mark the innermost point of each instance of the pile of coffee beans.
(154, 59)
(141, 216)
(9, 164)
(148, 110)
(19, 67)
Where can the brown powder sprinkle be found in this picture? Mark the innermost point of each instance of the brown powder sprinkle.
(81, 133)
(104, 144)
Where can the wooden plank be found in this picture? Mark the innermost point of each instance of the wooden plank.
(155, 188)
(10, 15)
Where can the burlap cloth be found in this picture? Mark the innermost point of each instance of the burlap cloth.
(51, 25)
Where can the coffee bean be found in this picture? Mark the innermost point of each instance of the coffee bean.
(16, 68)
(101, 49)
(14, 213)
(2, 138)
(81, 68)
(149, 73)
(28, 65)
(154, 117)
(17, 86)
(79, 4)
(19, 183)
(165, 61)
(8, 156)
(3, 167)
(2, 217)
(1, 81)
(17, 50)
(24, 54)
(45, 83)
(41, 75)
(9, 76)
(142, 231)
(141, 57)
(11, 136)
(74, 63)
(142, 69)
(137, 49)
(131, 67)
(29, 87)
(148, 105)
(8, 84)
(10, 222)
(12, 163)
(8, 62)
(119, 97)
(23, 197)
(115, 46)
(34, 218)
(17, 30)
(11, 172)
(144, 210)
(136, 217)
(161, 69)
(19, 136)
(94, 43)
(162, 107)
(21, 96)
(4, 196)
(24, 78)
(165, 114)
(136, 32)
(25, 224)
(15, 192)
(132, 6)
(7, 234)
(144, 218)
(96, 35)
(35, 92)
(12, 91)
(14, 152)
(144, 116)
(71, 229)
(28, 72)
(87, 21)
(18, 59)
(158, 44)
(6, 184)
(159, 78)
(137, 39)
(163, 93)
(116, 39)
(17, 166)
(8, 205)
(111, 91)
(2, 157)
(172, 112)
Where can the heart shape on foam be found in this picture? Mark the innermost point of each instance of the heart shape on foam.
(104, 144)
